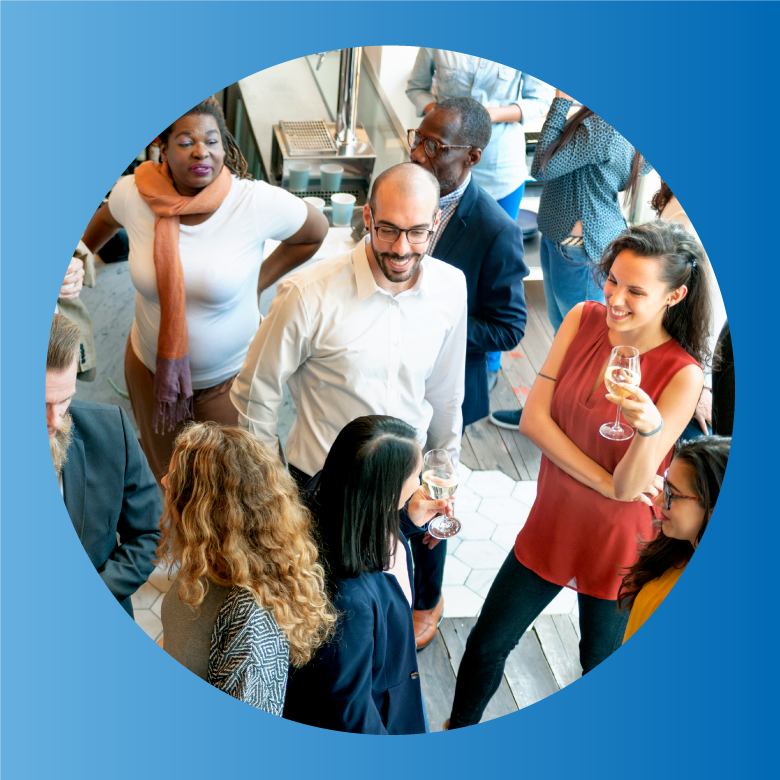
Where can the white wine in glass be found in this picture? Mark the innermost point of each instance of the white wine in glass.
(623, 366)
(440, 481)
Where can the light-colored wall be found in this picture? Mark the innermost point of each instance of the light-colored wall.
(393, 65)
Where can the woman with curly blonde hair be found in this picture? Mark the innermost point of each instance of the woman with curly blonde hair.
(249, 597)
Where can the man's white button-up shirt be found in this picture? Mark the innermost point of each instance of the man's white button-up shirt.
(347, 348)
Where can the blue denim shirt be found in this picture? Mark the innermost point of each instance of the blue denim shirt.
(502, 168)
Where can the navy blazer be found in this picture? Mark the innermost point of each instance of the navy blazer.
(109, 488)
(487, 246)
(366, 680)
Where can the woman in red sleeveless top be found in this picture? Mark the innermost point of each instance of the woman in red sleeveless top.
(594, 495)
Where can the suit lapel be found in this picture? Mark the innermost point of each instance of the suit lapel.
(457, 223)
(74, 480)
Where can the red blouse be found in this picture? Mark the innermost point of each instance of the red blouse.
(574, 536)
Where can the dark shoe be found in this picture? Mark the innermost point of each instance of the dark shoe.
(507, 419)
(426, 621)
(492, 379)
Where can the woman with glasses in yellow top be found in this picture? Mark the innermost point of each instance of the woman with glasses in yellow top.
(691, 488)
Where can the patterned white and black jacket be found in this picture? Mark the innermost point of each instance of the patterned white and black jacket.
(250, 656)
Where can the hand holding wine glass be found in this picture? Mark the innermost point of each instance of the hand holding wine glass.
(637, 407)
(440, 481)
(622, 377)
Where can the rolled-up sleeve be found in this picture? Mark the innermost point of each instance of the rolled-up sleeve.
(280, 346)
(418, 88)
(535, 98)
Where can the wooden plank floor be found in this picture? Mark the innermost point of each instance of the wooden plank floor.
(488, 447)
(545, 660)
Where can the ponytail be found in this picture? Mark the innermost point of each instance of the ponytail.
(683, 262)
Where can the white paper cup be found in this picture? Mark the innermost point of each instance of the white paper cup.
(343, 206)
(299, 175)
(318, 203)
(330, 177)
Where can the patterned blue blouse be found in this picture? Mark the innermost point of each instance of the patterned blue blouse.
(582, 180)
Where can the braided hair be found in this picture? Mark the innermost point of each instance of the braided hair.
(234, 160)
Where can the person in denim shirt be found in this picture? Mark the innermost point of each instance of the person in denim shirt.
(512, 99)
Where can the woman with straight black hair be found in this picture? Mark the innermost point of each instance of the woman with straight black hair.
(594, 493)
(366, 680)
(691, 488)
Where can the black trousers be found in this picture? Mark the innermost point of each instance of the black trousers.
(516, 598)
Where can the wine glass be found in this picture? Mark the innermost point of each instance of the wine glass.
(623, 366)
(440, 480)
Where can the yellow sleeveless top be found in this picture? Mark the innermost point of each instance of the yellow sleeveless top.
(649, 599)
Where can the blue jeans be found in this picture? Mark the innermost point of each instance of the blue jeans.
(516, 598)
(568, 279)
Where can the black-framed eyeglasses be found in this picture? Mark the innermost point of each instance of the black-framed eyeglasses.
(669, 496)
(431, 146)
(391, 234)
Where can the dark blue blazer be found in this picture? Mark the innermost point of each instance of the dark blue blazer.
(109, 488)
(366, 680)
(487, 246)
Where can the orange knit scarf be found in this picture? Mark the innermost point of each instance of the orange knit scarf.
(172, 380)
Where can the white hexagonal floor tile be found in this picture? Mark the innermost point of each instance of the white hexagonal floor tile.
(504, 535)
(149, 622)
(481, 555)
(491, 483)
(455, 571)
(464, 472)
(159, 578)
(460, 601)
(157, 606)
(480, 581)
(504, 510)
(453, 544)
(144, 597)
(466, 500)
(475, 527)
(525, 492)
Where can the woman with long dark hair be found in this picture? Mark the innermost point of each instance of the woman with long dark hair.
(593, 498)
(584, 164)
(249, 598)
(690, 490)
(366, 680)
(666, 206)
(197, 223)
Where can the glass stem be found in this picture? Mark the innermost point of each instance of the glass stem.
(617, 420)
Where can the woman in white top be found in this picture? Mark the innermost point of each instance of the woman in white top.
(197, 223)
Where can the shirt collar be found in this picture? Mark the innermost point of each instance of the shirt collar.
(455, 195)
(364, 278)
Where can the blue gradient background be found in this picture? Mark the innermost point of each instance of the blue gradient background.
(84, 692)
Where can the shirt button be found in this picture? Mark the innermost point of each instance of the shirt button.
(414, 675)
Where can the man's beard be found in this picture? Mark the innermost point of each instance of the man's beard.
(390, 274)
(60, 442)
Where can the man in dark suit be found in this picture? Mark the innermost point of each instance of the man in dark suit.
(475, 235)
(105, 480)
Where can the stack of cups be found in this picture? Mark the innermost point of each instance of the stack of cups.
(330, 177)
(299, 176)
